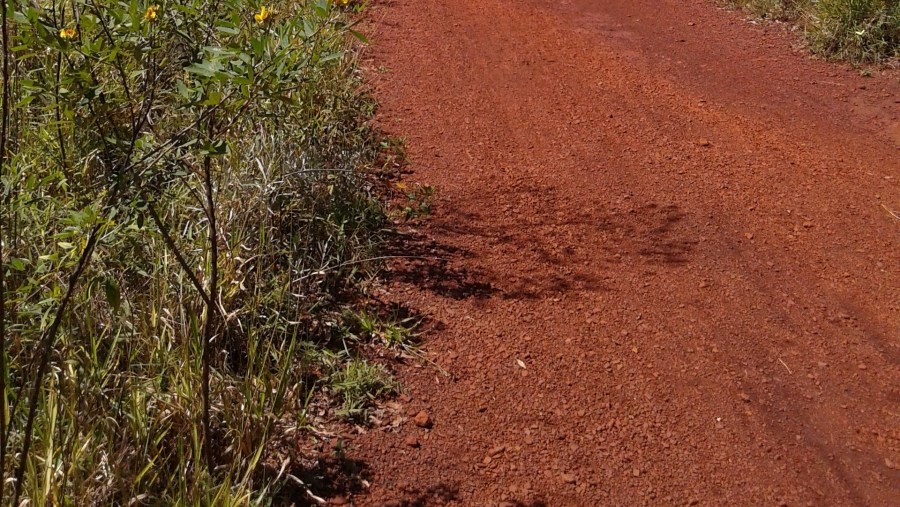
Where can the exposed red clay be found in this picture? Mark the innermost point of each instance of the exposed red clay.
(674, 220)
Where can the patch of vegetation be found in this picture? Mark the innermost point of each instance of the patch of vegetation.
(357, 383)
(417, 201)
(185, 207)
(856, 30)
(391, 331)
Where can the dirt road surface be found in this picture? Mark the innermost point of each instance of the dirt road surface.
(671, 276)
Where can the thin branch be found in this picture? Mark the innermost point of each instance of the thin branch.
(4, 131)
(211, 312)
(56, 108)
(891, 212)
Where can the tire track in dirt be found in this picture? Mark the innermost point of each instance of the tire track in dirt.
(674, 220)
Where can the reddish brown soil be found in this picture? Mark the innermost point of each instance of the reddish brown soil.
(674, 219)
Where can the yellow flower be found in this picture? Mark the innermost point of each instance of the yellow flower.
(262, 15)
(344, 2)
(150, 14)
(68, 33)
(401, 186)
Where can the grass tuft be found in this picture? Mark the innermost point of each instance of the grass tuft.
(358, 383)
(392, 331)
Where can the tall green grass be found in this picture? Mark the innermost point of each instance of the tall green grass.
(184, 209)
(855, 30)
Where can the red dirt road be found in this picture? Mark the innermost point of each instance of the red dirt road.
(675, 221)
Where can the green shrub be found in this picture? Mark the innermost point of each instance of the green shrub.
(859, 30)
(183, 203)
(856, 30)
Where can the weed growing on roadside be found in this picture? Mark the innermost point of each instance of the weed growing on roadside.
(357, 384)
(418, 199)
(856, 30)
(392, 331)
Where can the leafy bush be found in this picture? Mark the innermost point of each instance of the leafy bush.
(862, 30)
(182, 201)
(857, 30)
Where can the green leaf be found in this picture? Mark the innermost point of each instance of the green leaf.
(184, 91)
(308, 29)
(113, 296)
(230, 30)
(331, 56)
(212, 98)
(258, 46)
(359, 36)
(217, 147)
(205, 68)
(321, 8)
(25, 100)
